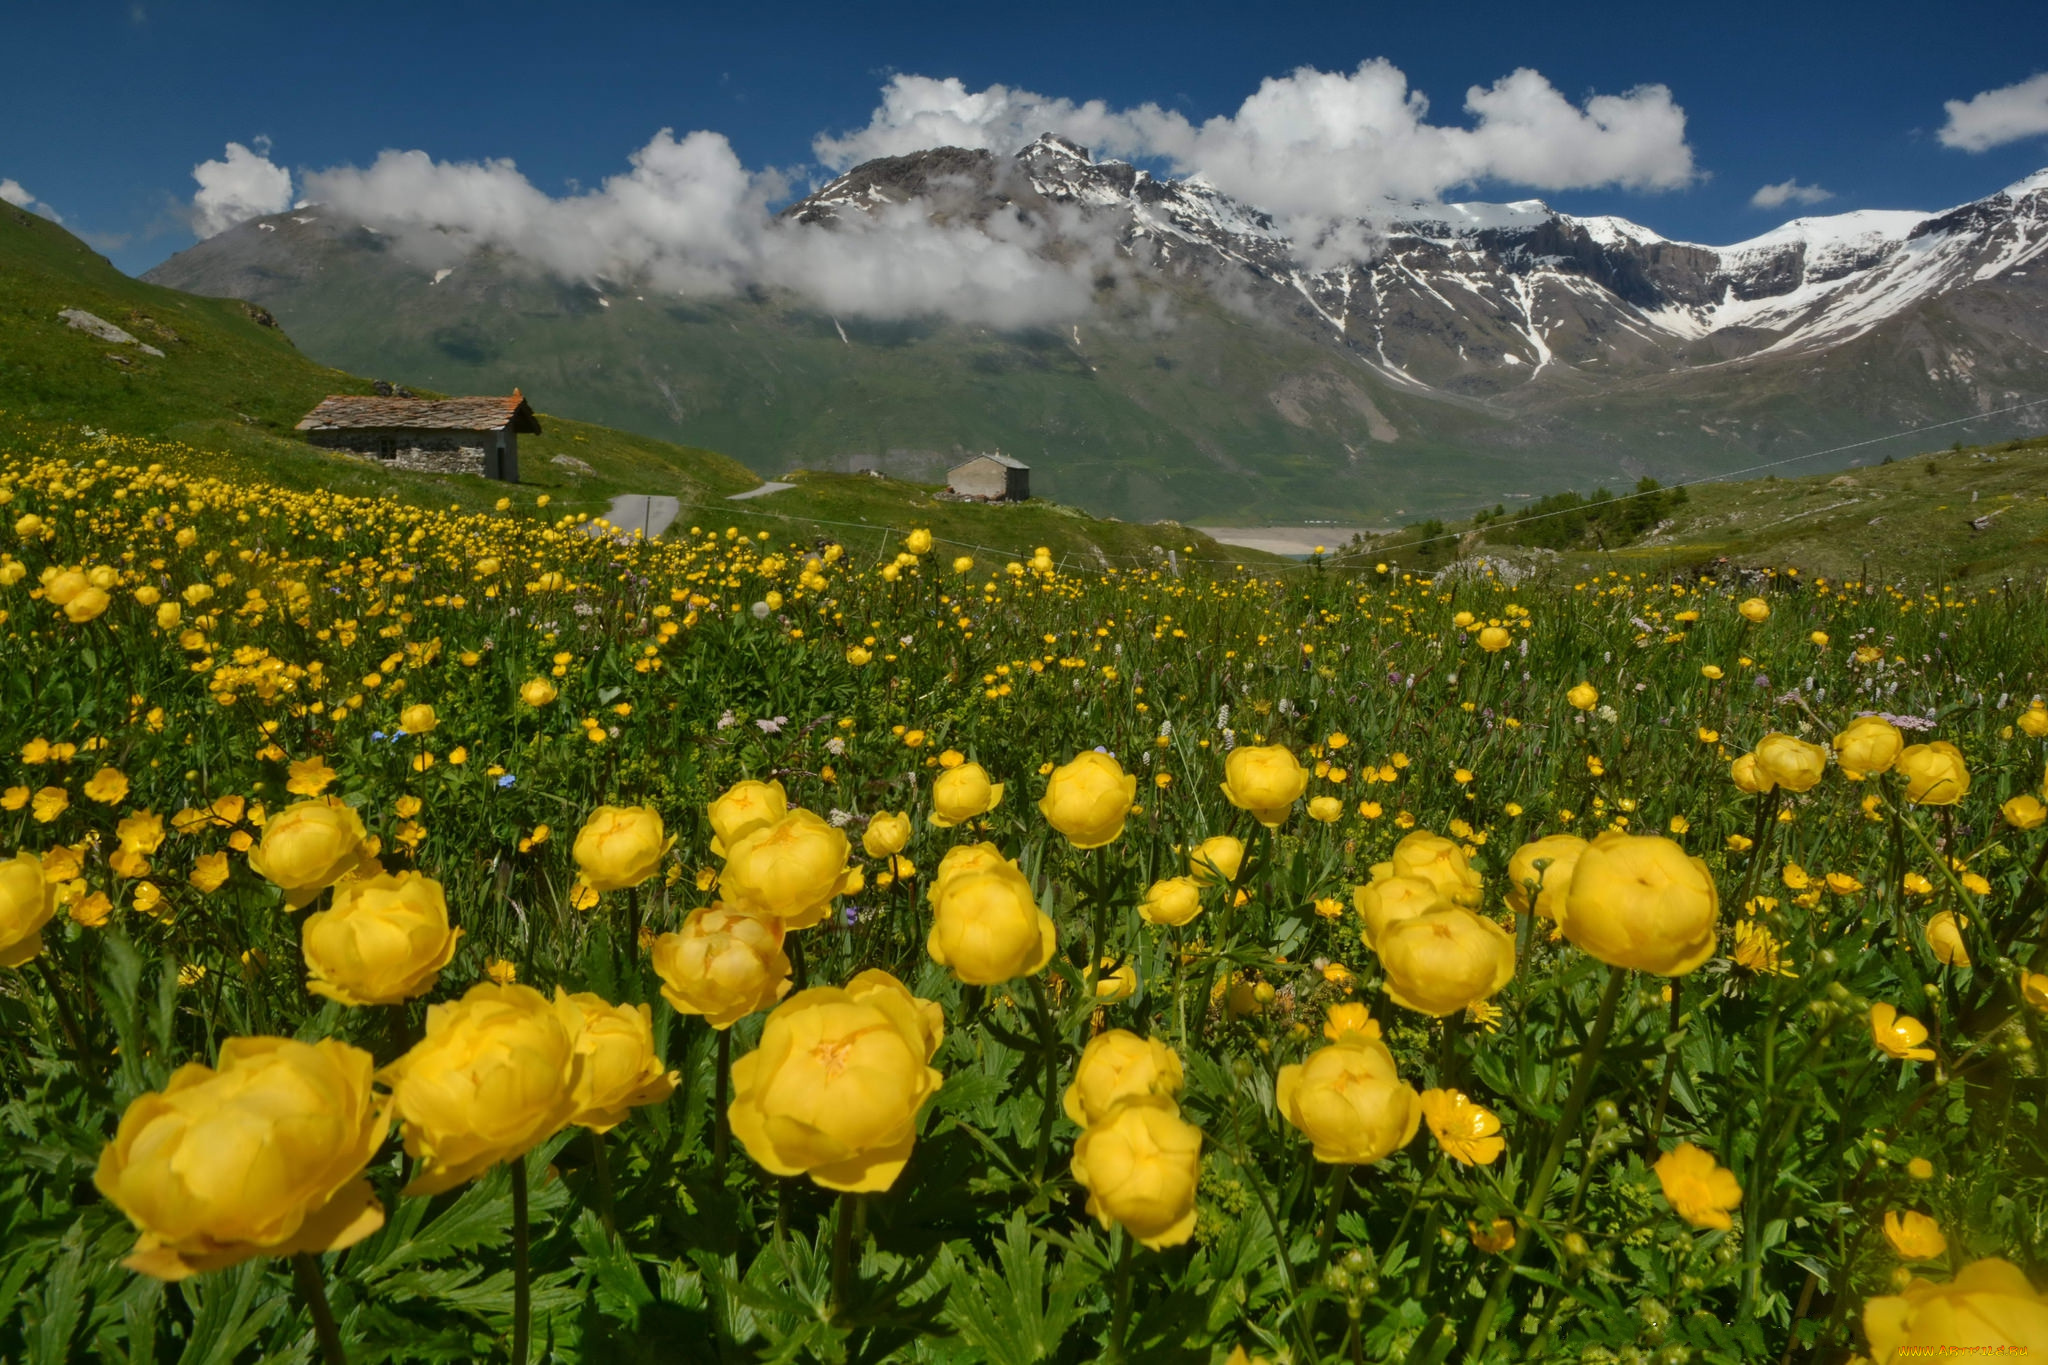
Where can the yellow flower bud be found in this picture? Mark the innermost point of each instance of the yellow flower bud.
(1393, 898)
(418, 719)
(1439, 861)
(495, 1077)
(887, 834)
(2024, 812)
(1945, 938)
(918, 542)
(790, 870)
(382, 940)
(1935, 773)
(1171, 901)
(537, 692)
(723, 964)
(1585, 696)
(1441, 961)
(1327, 810)
(1546, 863)
(260, 1157)
(308, 846)
(27, 901)
(1869, 745)
(963, 793)
(619, 847)
(621, 1070)
(1493, 639)
(1748, 775)
(1349, 1101)
(1266, 781)
(1116, 1066)
(1140, 1164)
(1755, 610)
(1216, 860)
(1638, 901)
(743, 808)
(835, 1087)
(2034, 720)
(1088, 799)
(1791, 763)
(987, 927)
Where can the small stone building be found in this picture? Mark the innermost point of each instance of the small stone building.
(433, 435)
(994, 478)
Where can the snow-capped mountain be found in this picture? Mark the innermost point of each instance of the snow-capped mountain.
(1479, 297)
(1428, 357)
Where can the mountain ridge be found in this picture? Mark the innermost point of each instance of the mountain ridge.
(1434, 358)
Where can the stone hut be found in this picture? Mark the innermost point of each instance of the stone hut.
(992, 478)
(434, 435)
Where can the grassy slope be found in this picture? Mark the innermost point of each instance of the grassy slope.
(1907, 521)
(230, 389)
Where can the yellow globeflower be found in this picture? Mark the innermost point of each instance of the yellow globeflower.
(1749, 776)
(834, 1089)
(962, 859)
(743, 808)
(1791, 763)
(2034, 989)
(1493, 639)
(1935, 773)
(1988, 1309)
(962, 794)
(1869, 745)
(2034, 720)
(1638, 901)
(307, 847)
(496, 1076)
(1700, 1190)
(723, 964)
(1392, 899)
(1348, 1100)
(887, 834)
(1266, 780)
(620, 847)
(1945, 938)
(382, 940)
(1326, 810)
(987, 927)
(1547, 864)
(1216, 859)
(537, 692)
(1171, 901)
(1115, 982)
(1898, 1036)
(1140, 1164)
(621, 1070)
(1115, 1066)
(1468, 1132)
(1915, 1236)
(1442, 961)
(86, 606)
(1088, 799)
(27, 901)
(418, 719)
(918, 542)
(1439, 860)
(790, 870)
(1585, 696)
(2024, 812)
(262, 1156)
(1755, 610)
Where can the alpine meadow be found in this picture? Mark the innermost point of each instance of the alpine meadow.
(770, 812)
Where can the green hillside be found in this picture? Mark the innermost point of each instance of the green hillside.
(1965, 512)
(228, 385)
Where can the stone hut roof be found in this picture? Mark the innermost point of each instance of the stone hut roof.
(1003, 460)
(341, 412)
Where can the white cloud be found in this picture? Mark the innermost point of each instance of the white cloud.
(689, 217)
(1788, 192)
(1317, 145)
(245, 184)
(1993, 118)
(11, 192)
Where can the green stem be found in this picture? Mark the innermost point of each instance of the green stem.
(1670, 1060)
(721, 1123)
(312, 1288)
(842, 1256)
(1049, 1063)
(1340, 1183)
(522, 1272)
(601, 1167)
(65, 1017)
(1120, 1295)
(1560, 1139)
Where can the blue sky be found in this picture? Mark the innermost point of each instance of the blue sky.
(109, 106)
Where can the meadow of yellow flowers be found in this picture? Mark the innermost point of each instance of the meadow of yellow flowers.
(442, 936)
